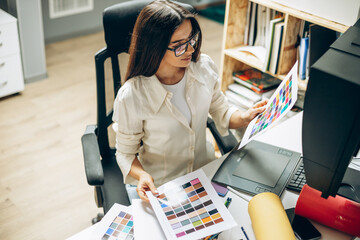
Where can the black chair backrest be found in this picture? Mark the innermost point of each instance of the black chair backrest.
(118, 22)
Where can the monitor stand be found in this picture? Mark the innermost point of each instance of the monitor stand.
(350, 185)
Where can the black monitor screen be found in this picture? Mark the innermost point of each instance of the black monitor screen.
(331, 122)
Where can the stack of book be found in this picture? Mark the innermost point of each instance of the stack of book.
(251, 86)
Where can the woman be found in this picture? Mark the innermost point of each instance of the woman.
(169, 91)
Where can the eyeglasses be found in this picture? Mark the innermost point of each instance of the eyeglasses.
(181, 49)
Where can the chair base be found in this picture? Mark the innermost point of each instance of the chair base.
(98, 218)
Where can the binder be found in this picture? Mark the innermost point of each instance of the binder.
(277, 42)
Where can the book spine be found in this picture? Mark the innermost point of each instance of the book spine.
(304, 47)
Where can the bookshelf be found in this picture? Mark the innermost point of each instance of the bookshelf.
(233, 38)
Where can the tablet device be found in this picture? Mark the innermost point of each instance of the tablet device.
(257, 167)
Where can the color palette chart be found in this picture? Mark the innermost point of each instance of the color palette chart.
(117, 224)
(189, 208)
(279, 104)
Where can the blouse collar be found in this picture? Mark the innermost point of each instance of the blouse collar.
(156, 94)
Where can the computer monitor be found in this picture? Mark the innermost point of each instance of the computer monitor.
(331, 120)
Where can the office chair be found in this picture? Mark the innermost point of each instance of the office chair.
(101, 168)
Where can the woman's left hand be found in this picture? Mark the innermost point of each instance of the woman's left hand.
(241, 119)
(252, 112)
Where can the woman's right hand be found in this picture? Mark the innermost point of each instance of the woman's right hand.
(146, 183)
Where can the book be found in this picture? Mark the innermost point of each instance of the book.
(269, 42)
(304, 50)
(245, 92)
(238, 100)
(261, 26)
(248, 16)
(256, 80)
(275, 53)
(253, 24)
(243, 97)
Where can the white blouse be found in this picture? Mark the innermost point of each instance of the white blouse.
(170, 146)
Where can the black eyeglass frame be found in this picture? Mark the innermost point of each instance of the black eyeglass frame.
(187, 45)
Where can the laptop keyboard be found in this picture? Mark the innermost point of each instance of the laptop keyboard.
(297, 180)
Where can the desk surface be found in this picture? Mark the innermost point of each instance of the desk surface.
(287, 135)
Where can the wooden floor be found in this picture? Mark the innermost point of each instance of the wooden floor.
(43, 188)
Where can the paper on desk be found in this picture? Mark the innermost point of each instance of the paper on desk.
(116, 224)
(146, 223)
(189, 208)
(278, 106)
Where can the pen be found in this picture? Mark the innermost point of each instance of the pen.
(244, 233)
(228, 201)
(214, 236)
(236, 193)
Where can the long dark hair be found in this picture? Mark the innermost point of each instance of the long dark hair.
(153, 29)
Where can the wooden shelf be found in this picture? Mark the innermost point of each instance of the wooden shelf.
(302, 15)
(245, 57)
(234, 29)
(249, 59)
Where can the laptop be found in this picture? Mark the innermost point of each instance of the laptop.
(258, 167)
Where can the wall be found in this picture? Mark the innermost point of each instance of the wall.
(199, 4)
(88, 22)
(58, 29)
(28, 14)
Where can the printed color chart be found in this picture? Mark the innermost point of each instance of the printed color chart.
(117, 224)
(279, 104)
(189, 208)
(121, 228)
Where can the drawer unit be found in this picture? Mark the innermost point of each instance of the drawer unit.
(9, 64)
(11, 74)
(11, 83)
(9, 42)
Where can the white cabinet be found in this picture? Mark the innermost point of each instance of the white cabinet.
(11, 73)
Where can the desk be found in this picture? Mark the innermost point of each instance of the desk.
(286, 135)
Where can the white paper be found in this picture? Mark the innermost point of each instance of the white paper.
(279, 104)
(189, 208)
(116, 224)
(257, 51)
(146, 223)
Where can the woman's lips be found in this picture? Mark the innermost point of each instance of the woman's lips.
(187, 59)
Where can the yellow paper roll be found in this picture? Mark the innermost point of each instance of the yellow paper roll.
(269, 219)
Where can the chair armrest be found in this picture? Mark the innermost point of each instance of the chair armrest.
(93, 168)
(225, 143)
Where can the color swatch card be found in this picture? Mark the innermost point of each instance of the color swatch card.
(278, 106)
(189, 208)
(117, 224)
(146, 222)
